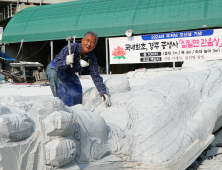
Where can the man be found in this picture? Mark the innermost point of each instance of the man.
(64, 83)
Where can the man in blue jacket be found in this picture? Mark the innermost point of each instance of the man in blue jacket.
(64, 83)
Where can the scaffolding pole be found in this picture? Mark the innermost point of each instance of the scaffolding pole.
(51, 42)
(107, 57)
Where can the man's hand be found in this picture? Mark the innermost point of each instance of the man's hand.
(69, 59)
(105, 99)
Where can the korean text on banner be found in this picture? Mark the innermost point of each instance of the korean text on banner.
(167, 47)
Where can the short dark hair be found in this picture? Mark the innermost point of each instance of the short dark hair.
(91, 33)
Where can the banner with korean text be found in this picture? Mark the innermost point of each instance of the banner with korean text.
(167, 47)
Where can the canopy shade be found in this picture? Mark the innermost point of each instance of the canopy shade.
(6, 57)
(111, 18)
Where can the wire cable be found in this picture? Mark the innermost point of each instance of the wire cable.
(21, 54)
(36, 51)
(19, 49)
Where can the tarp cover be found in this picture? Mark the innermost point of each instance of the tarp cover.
(111, 18)
(6, 57)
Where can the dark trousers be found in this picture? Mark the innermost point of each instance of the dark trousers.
(53, 79)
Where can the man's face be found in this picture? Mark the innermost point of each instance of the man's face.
(88, 44)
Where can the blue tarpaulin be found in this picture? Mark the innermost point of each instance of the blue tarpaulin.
(6, 57)
(2, 77)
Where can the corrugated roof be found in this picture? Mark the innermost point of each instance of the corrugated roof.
(111, 18)
(6, 57)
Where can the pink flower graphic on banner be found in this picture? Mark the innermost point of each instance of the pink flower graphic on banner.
(119, 53)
